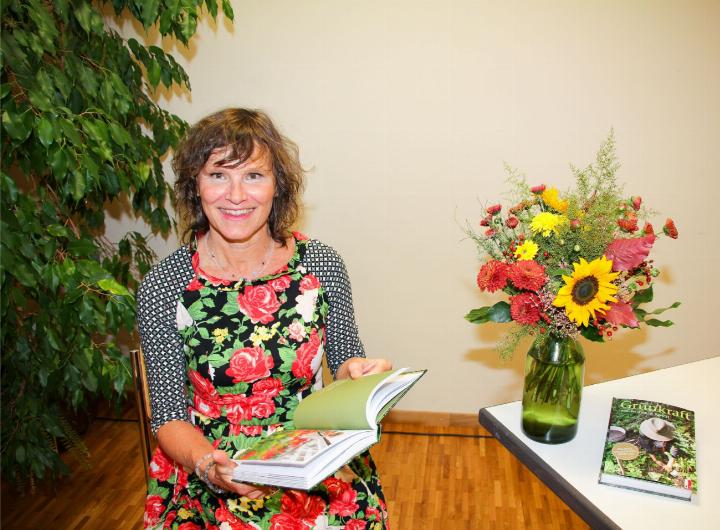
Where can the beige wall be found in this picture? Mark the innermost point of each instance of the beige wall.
(405, 112)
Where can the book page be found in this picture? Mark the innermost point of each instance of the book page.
(294, 447)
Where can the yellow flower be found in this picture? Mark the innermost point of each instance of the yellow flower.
(262, 334)
(551, 197)
(587, 290)
(220, 335)
(546, 223)
(184, 513)
(528, 250)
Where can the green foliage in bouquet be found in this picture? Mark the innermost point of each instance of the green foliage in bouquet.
(573, 262)
(79, 131)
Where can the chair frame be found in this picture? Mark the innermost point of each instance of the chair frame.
(142, 400)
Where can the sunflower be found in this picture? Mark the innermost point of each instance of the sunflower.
(587, 290)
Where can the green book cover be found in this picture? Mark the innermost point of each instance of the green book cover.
(650, 446)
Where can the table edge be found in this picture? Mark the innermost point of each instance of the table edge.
(569, 495)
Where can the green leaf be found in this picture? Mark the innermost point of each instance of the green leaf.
(20, 454)
(661, 310)
(644, 296)
(78, 185)
(112, 286)
(227, 9)
(46, 131)
(659, 323)
(591, 333)
(499, 313)
(149, 12)
(17, 125)
(153, 71)
(82, 247)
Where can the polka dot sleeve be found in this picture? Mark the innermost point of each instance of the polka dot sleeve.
(343, 341)
(157, 300)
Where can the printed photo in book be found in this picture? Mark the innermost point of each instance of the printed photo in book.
(331, 426)
(650, 447)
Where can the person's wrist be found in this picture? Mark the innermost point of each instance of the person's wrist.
(203, 469)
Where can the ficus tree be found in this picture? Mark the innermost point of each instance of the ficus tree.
(80, 129)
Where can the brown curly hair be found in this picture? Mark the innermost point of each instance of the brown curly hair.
(243, 131)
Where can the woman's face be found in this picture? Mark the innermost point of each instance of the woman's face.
(237, 200)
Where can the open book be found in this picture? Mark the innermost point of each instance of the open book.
(332, 426)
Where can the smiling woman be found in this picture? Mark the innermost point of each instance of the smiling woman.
(234, 327)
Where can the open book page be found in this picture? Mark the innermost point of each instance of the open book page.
(352, 403)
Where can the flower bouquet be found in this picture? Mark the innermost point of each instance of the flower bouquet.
(573, 264)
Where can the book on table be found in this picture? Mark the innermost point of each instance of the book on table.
(331, 426)
(650, 447)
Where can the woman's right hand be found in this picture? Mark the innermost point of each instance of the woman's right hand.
(221, 475)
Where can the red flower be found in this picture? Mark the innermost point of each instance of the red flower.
(490, 232)
(223, 515)
(189, 525)
(648, 229)
(280, 284)
(308, 283)
(485, 221)
(628, 225)
(194, 285)
(259, 303)
(306, 353)
(284, 521)
(574, 224)
(249, 364)
(670, 229)
(527, 274)
(355, 524)
(161, 467)
(302, 505)
(300, 236)
(537, 190)
(169, 518)
(206, 407)
(270, 387)
(261, 406)
(202, 385)
(627, 254)
(249, 430)
(494, 209)
(238, 410)
(344, 504)
(621, 314)
(492, 276)
(512, 222)
(525, 308)
(154, 508)
(636, 201)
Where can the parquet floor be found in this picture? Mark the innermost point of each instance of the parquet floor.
(443, 478)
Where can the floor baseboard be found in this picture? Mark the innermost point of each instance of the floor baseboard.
(440, 419)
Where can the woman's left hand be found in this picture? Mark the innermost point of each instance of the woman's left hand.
(360, 366)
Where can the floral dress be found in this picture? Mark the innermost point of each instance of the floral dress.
(252, 351)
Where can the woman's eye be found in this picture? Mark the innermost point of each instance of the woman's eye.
(254, 176)
(216, 175)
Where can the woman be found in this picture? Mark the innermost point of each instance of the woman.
(234, 326)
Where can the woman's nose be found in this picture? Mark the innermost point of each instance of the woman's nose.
(236, 191)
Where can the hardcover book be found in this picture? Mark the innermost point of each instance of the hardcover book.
(331, 426)
(650, 447)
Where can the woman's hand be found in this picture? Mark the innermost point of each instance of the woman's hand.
(360, 366)
(221, 475)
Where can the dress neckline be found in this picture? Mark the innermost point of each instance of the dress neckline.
(209, 280)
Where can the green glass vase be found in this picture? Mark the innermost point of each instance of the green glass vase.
(554, 372)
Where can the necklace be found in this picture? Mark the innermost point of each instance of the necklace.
(254, 273)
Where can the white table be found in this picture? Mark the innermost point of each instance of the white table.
(571, 469)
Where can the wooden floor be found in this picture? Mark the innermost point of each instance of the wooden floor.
(444, 477)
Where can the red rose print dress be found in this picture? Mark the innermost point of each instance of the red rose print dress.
(253, 350)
